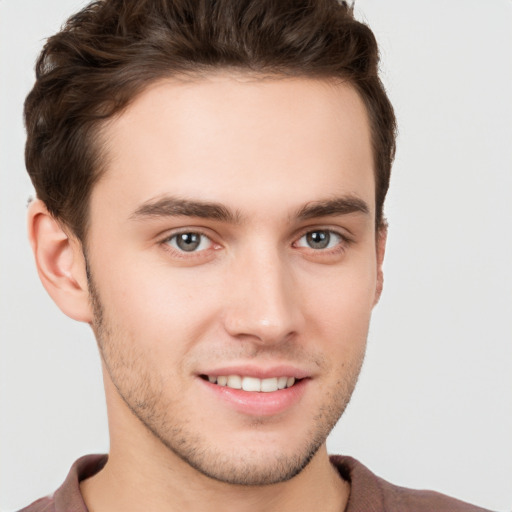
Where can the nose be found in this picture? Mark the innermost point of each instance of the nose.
(263, 303)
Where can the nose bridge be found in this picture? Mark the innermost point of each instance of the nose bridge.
(262, 302)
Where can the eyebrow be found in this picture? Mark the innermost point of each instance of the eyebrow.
(176, 207)
(332, 207)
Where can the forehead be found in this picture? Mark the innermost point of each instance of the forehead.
(284, 139)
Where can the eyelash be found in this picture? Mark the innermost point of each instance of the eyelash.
(185, 254)
(339, 247)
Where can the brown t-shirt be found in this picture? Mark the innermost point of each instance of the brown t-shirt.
(368, 492)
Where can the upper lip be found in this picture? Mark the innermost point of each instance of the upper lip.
(259, 372)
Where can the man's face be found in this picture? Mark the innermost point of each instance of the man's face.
(232, 243)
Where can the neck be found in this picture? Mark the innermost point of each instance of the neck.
(131, 484)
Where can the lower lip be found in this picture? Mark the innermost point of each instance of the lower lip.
(259, 404)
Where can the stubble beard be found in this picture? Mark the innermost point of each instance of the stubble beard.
(144, 395)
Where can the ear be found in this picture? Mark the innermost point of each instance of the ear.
(60, 263)
(382, 235)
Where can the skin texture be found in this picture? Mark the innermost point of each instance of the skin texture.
(254, 294)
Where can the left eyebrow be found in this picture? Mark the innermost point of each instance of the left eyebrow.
(176, 207)
(333, 207)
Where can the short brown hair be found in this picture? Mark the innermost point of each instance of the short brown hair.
(111, 50)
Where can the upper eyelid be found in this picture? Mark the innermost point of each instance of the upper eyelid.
(212, 236)
(168, 234)
(180, 254)
(165, 241)
(343, 233)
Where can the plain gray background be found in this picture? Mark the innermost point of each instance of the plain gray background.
(434, 404)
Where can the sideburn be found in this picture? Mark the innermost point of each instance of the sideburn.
(97, 324)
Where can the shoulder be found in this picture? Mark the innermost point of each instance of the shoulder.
(41, 505)
(370, 493)
(67, 498)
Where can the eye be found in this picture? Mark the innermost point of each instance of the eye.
(189, 242)
(320, 239)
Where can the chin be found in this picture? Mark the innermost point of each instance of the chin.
(251, 469)
(252, 459)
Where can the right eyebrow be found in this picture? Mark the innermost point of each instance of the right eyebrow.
(343, 205)
(169, 206)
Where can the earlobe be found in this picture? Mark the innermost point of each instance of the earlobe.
(60, 263)
(382, 235)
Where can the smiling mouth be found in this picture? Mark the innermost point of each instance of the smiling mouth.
(252, 384)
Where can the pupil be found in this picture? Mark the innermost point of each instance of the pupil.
(318, 239)
(188, 241)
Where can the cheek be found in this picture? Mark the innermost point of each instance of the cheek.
(156, 305)
(340, 304)
(338, 325)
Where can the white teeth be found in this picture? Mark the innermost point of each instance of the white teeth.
(269, 385)
(235, 382)
(253, 384)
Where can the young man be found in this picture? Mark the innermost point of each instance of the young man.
(210, 182)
